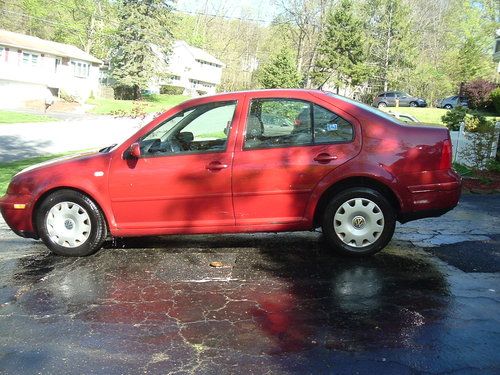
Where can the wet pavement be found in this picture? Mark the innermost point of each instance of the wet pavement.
(281, 304)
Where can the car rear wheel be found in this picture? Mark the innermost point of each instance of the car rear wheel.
(71, 224)
(413, 104)
(359, 221)
(448, 106)
(382, 104)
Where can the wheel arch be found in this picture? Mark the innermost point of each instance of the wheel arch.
(43, 196)
(350, 182)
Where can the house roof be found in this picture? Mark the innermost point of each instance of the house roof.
(32, 43)
(199, 54)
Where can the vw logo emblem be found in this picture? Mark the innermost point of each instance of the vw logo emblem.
(358, 222)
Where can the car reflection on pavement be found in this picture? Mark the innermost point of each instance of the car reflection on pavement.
(275, 297)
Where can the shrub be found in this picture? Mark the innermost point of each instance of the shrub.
(171, 90)
(123, 92)
(454, 117)
(495, 98)
(67, 97)
(481, 134)
(493, 165)
(478, 93)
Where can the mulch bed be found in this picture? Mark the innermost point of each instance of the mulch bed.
(483, 182)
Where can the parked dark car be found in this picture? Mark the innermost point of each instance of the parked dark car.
(389, 98)
(452, 102)
(232, 163)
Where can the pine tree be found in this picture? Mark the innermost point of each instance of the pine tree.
(341, 51)
(280, 72)
(141, 43)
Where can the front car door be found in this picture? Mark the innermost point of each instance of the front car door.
(404, 99)
(183, 178)
(278, 163)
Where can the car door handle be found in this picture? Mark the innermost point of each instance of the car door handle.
(216, 166)
(325, 158)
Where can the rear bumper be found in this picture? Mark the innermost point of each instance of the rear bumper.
(16, 211)
(432, 199)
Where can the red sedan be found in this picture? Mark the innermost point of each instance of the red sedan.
(256, 161)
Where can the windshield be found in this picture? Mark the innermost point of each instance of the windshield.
(366, 107)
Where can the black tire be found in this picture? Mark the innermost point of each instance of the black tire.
(87, 213)
(333, 228)
(413, 104)
(382, 105)
(448, 106)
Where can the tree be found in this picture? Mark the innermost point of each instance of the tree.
(391, 44)
(469, 42)
(141, 43)
(341, 51)
(83, 23)
(304, 20)
(280, 72)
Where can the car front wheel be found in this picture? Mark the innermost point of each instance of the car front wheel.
(71, 224)
(413, 104)
(448, 106)
(382, 105)
(358, 221)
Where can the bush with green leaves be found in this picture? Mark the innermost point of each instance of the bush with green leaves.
(454, 117)
(481, 134)
(171, 90)
(495, 98)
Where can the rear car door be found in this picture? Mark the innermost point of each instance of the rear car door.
(277, 164)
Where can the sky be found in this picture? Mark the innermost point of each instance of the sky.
(256, 9)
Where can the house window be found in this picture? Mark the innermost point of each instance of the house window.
(30, 58)
(80, 69)
(57, 62)
(203, 62)
(2, 53)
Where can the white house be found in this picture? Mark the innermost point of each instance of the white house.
(193, 69)
(31, 68)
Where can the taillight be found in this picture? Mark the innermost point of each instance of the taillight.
(445, 162)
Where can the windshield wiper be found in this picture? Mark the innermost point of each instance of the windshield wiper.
(108, 148)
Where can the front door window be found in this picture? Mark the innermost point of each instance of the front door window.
(201, 129)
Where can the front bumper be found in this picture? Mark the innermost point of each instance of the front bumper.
(17, 213)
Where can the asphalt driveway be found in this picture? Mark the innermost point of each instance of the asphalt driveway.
(20, 141)
(281, 304)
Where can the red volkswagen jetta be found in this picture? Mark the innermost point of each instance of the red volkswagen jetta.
(256, 161)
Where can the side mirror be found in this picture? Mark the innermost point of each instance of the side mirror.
(135, 150)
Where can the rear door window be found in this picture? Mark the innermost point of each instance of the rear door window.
(289, 122)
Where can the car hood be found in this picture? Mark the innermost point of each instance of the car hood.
(61, 160)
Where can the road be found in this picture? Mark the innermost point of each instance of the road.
(20, 141)
(281, 303)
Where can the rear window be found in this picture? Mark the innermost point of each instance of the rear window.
(366, 107)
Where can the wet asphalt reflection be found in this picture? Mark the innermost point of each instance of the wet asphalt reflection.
(279, 304)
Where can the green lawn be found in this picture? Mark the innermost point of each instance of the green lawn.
(7, 170)
(429, 115)
(9, 117)
(150, 103)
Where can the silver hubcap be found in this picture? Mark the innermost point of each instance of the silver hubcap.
(68, 224)
(359, 222)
